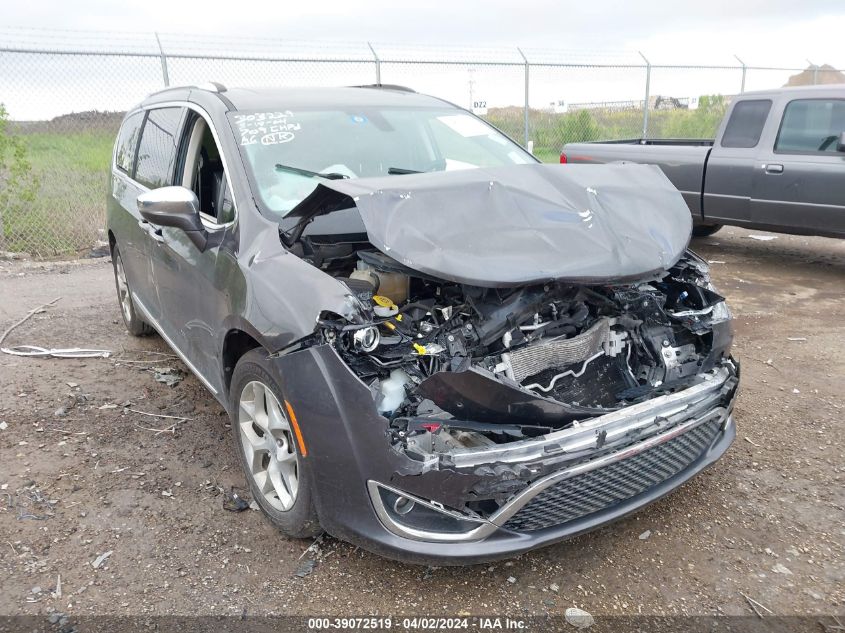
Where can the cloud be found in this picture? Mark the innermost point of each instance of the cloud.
(585, 25)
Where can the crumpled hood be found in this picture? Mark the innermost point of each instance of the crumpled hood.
(520, 224)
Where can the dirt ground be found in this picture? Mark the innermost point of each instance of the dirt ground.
(82, 473)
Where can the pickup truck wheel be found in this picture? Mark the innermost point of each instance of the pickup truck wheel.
(269, 448)
(135, 325)
(703, 230)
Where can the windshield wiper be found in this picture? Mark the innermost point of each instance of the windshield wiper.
(309, 174)
(399, 171)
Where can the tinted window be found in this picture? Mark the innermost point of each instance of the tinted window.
(203, 171)
(811, 125)
(746, 123)
(157, 151)
(127, 141)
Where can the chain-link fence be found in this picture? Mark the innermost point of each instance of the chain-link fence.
(63, 95)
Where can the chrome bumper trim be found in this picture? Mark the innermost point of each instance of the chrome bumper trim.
(521, 499)
(484, 529)
(615, 427)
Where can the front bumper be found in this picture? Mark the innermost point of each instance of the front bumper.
(504, 543)
(349, 454)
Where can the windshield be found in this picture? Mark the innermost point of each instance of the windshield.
(289, 153)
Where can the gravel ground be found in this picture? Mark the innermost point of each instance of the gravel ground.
(83, 473)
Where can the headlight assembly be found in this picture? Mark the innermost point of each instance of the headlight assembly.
(366, 339)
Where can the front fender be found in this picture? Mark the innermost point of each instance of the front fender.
(284, 295)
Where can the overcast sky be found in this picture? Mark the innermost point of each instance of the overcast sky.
(769, 33)
(763, 32)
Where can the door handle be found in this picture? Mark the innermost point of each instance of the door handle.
(152, 229)
(773, 168)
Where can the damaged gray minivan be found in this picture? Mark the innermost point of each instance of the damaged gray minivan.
(429, 344)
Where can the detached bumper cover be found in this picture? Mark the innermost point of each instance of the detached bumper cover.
(564, 484)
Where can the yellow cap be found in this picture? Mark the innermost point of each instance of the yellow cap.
(384, 302)
(420, 349)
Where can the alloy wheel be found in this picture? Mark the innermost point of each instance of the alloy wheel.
(268, 445)
(123, 289)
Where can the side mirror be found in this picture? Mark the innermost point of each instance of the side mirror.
(840, 144)
(177, 207)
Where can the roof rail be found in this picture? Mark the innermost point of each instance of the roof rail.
(387, 87)
(210, 86)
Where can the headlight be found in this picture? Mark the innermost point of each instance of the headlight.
(720, 310)
(720, 313)
(411, 517)
(366, 339)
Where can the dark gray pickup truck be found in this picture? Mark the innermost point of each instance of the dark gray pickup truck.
(777, 163)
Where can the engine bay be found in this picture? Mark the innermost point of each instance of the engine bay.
(451, 365)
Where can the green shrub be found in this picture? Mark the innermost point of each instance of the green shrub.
(18, 184)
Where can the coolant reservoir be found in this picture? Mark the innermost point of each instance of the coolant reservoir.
(392, 391)
(394, 286)
(367, 275)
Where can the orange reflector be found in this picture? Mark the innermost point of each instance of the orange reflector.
(302, 450)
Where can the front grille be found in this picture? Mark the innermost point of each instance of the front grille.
(609, 485)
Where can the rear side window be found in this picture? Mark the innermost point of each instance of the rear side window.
(157, 150)
(127, 141)
(746, 123)
(811, 126)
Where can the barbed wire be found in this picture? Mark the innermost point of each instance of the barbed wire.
(189, 45)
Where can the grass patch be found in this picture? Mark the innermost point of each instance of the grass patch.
(84, 152)
(547, 155)
(72, 171)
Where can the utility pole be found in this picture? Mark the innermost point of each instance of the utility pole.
(163, 57)
(647, 96)
(525, 107)
(815, 72)
(378, 63)
(742, 85)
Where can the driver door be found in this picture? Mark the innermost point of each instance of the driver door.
(194, 285)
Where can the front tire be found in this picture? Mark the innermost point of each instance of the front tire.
(135, 325)
(704, 230)
(269, 449)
